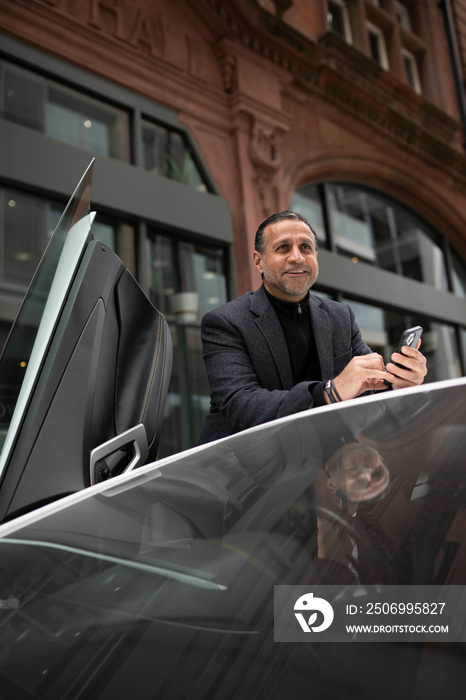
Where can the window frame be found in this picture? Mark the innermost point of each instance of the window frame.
(376, 32)
(342, 276)
(402, 15)
(409, 57)
(345, 16)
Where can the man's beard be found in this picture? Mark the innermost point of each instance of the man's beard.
(291, 287)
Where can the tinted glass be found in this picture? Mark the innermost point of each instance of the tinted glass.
(185, 281)
(336, 17)
(307, 200)
(166, 153)
(26, 225)
(65, 114)
(459, 275)
(370, 227)
(161, 583)
(23, 353)
(382, 328)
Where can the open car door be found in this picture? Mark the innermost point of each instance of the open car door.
(84, 372)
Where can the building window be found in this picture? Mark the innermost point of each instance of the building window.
(184, 275)
(366, 226)
(370, 227)
(26, 224)
(377, 45)
(167, 153)
(411, 71)
(381, 329)
(339, 20)
(308, 201)
(65, 114)
(402, 15)
(185, 281)
(180, 268)
(458, 275)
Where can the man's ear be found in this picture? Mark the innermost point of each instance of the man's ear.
(331, 486)
(257, 257)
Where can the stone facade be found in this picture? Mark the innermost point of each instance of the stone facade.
(273, 98)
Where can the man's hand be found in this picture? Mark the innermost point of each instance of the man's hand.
(414, 367)
(368, 373)
(363, 373)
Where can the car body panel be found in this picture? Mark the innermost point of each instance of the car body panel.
(160, 582)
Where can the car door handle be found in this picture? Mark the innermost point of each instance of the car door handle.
(134, 439)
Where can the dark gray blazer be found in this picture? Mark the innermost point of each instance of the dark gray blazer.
(248, 364)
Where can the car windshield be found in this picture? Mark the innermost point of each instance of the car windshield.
(30, 334)
(161, 583)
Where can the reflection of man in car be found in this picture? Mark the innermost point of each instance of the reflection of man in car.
(357, 473)
(354, 474)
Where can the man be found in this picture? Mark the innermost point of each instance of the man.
(280, 349)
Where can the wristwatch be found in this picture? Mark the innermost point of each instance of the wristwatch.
(329, 392)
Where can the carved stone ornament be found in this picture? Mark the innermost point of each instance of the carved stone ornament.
(265, 155)
(264, 151)
(228, 69)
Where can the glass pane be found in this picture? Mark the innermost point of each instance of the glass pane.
(87, 123)
(377, 230)
(337, 19)
(372, 324)
(381, 329)
(23, 98)
(24, 229)
(458, 275)
(105, 233)
(463, 344)
(199, 390)
(188, 400)
(306, 200)
(171, 437)
(166, 153)
(31, 332)
(155, 140)
(440, 346)
(65, 114)
(202, 272)
(374, 45)
(185, 281)
(350, 222)
(161, 273)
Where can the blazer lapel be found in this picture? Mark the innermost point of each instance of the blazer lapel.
(321, 328)
(267, 322)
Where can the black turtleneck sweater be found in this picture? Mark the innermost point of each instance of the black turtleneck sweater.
(295, 320)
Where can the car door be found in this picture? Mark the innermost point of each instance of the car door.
(84, 373)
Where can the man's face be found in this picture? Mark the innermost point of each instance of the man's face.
(289, 264)
(363, 476)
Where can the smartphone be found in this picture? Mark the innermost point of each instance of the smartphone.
(410, 338)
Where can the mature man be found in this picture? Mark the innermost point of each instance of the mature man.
(280, 349)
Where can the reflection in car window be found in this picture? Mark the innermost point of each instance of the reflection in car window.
(160, 583)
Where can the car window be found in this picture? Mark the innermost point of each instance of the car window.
(27, 343)
(160, 584)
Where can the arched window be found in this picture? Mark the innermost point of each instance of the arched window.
(420, 279)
